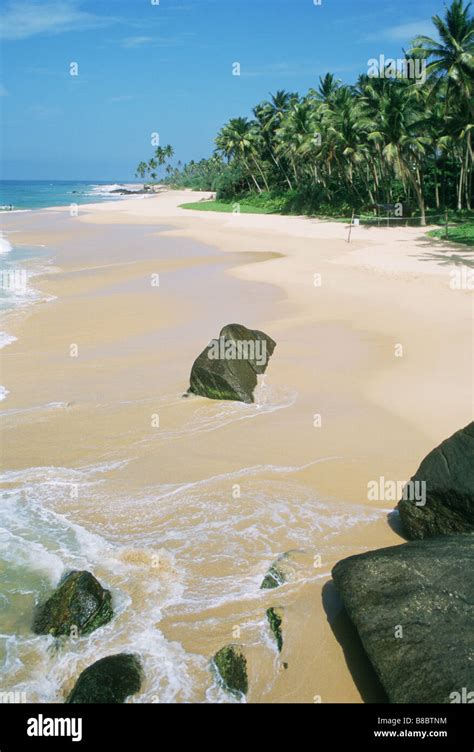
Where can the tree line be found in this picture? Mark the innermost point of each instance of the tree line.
(389, 138)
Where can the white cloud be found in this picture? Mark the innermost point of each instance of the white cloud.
(280, 69)
(404, 32)
(27, 18)
(158, 41)
(136, 41)
(410, 30)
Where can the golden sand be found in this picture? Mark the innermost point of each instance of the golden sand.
(373, 368)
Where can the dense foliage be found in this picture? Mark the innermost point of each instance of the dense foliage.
(388, 139)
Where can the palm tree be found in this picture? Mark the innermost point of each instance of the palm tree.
(327, 88)
(298, 138)
(237, 140)
(268, 116)
(141, 170)
(152, 166)
(451, 72)
(397, 132)
(384, 138)
(452, 58)
(346, 127)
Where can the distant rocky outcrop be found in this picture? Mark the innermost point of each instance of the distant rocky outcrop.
(231, 666)
(448, 475)
(127, 192)
(227, 368)
(110, 680)
(79, 603)
(413, 607)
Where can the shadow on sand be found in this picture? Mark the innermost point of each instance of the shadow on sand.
(363, 674)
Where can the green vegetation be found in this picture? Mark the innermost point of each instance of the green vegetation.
(150, 168)
(390, 139)
(458, 234)
(224, 206)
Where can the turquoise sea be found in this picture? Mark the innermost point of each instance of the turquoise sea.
(38, 194)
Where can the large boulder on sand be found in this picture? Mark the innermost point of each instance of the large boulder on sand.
(448, 475)
(110, 680)
(79, 603)
(227, 368)
(413, 607)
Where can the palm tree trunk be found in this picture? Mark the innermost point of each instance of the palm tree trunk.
(419, 194)
(436, 183)
(261, 173)
(283, 172)
(466, 178)
(252, 176)
(460, 184)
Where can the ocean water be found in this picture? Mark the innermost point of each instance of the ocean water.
(16, 281)
(17, 288)
(38, 194)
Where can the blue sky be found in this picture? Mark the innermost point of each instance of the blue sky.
(167, 68)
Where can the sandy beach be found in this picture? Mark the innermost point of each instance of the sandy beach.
(179, 506)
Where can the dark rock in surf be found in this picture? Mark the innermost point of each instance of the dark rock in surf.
(79, 603)
(231, 666)
(413, 607)
(110, 680)
(276, 575)
(227, 368)
(448, 477)
(275, 618)
(286, 568)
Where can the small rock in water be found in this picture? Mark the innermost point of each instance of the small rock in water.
(275, 618)
(286, 568)
(79, 604)
(231, 665)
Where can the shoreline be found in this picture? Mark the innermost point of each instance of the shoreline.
(300, 484)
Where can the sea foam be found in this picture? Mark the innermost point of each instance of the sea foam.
(6, 339)
(5, 245)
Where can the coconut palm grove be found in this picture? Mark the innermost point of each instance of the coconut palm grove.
(393, 137)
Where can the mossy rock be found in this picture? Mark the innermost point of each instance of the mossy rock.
(110, 680)
(275, 575)
(79, 603)
(231, 378)
(275, 618)
(286, 568)
(231, 665)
